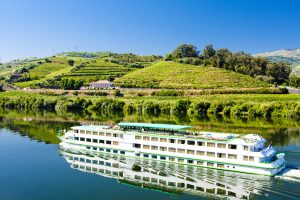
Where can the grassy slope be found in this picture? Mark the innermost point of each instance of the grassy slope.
(98, 70)
(174, 75)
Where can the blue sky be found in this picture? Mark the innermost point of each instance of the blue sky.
(41, 28)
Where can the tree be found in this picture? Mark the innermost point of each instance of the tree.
(71, 62)
(221, 56)
(279, 71)
(294, 81)
(185, 50)
(1, 88)
(209, 51)
(117, 93)
(168, 57)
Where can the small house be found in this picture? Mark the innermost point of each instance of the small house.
(102, 84)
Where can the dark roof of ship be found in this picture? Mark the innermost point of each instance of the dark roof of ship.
(154, 126)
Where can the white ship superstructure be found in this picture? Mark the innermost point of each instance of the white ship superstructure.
(172, 143)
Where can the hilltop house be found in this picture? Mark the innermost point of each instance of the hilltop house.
(102, 84)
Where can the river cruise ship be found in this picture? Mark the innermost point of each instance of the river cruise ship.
(174, 143)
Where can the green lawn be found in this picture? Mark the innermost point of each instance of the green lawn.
(173, 75)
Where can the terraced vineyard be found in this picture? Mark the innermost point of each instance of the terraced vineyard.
(97, 70)
(173, 75)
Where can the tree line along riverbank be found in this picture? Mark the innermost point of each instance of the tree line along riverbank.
(267, 106)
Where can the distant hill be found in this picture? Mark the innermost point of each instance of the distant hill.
(174, 75)
(285, 55)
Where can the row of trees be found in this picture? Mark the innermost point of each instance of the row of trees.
(71, 84)
(240, 62)
(180, 107)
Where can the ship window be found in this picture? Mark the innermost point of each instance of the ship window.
(154, 180)
(146, 155)
(115, 151)
(95, 133)
(180, 160)
(136, 145)
(137, 154)
(154, 139)
(95, 162)
(108, 142)
(231, 194)
(181, 150)
(88, 140)
(210, 154)
(101, 141)
(172, 184)
(75, 131)
(220, 165)
(181, 185)
(200, 188)
(88, 132)
(200, 153)
(95, 140)
(190, 161)
(232, 146)
(101, 162)
(162, 182)
(146, 147)
(138, 137)
(82, 160)
(95, 148)
(221, 155)
(154, 156)
(115, 143)
(251, 158)
(210, 164)
(246, 158)
(115, 135)
(199, 143)
(190, 186)
(171, 159)
(221, 191)
(101, 134)
(199, 163)
(232, 156)
(191, 152)
(163, 158)
(211, 144)
(108, 134)
(172, 150)
(172, 140)
(163, 140)
(154, 147)
(88, 147)
(189, 142)
(83, 132)
(82, 139)
(146, 138)
(101, 149)
(138, 177)
(163, 148)
(107, 150)
(223, 146)
(146, 179)
(122, 152)
(246, 148)
(76, 138)
(181, 141)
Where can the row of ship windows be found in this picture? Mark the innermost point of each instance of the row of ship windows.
(160, 181)
(188, 142)
(173, 159)
(173, 150)
(99, 133)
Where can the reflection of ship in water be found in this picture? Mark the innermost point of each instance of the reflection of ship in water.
(166, 177)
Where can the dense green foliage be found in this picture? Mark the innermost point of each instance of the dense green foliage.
(294, 81)
(71, 84)
(232, 106)
(173, 75)
(239, 62)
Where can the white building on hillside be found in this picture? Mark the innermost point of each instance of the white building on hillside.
(102, 84)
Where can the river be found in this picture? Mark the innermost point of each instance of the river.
(33, 164)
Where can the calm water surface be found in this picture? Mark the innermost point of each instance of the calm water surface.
(34, 166)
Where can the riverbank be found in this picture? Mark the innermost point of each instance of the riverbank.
(266, 106)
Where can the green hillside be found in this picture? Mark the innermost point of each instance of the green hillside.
(173, 75)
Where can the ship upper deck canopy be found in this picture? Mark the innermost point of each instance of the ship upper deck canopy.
(153, 126)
